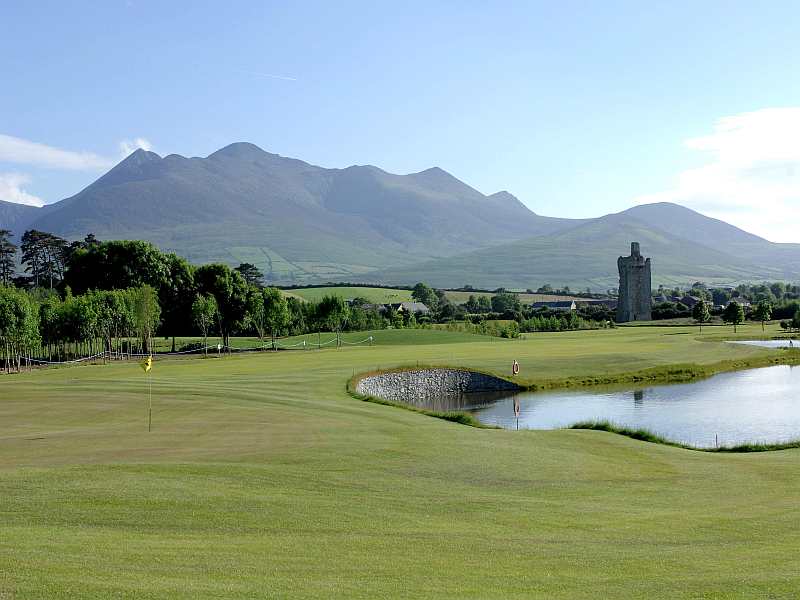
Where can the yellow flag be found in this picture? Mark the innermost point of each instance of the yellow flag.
(147, 364)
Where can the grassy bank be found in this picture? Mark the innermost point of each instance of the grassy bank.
(645, 435)
(264, 478)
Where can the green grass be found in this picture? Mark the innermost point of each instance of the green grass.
(393, 337)
(263, 477)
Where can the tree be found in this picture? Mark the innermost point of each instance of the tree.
(44, 255)
(444, 307)
(175, 296)
(763, 312)
(251, 273)
(301, 315)
(267, 310)
(425, 294)
(505, 302)
(778, 289)
(255, 312)
(8, 257)
(276, 311)
(147, 314)
(19, 326)
(795, 323)
(117, 265)
(49, 323)
(230, 291)
(55, 256)
(733, 314)
(471, 305)
(33, 254)
(701, 314)
(332, 313)
(204, 314)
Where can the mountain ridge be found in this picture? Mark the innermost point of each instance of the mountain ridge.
(299, 221)
(305, 223)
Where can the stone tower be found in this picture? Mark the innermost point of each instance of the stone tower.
(635, 300)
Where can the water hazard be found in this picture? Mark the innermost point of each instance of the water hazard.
(758, 405)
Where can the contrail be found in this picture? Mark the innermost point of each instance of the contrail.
(270, 75)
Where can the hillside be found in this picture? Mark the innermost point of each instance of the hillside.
(296, 221)
(685, 246)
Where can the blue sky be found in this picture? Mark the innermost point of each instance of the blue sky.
(577, 108)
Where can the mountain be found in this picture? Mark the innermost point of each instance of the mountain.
(307, 224)
(299, 222)
(685, 246)
(17, 217)
(688, 224)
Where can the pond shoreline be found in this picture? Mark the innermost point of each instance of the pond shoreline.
(676, 373)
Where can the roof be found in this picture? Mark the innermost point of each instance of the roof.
(558, 304)
(417, 307)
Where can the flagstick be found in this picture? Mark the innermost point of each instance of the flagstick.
(150, 403)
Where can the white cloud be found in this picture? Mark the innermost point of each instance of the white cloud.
(126, 147)
(752, 179)
(25, 152)
(20, 151)
(11, 189)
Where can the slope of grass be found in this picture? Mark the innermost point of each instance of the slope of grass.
(264, 478)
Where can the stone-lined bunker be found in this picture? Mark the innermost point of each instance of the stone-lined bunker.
(421, 386)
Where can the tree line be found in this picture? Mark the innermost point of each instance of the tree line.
(82, 298)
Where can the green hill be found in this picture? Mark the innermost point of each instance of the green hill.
(585, 256)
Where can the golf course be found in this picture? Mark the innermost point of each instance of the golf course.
(264, 477)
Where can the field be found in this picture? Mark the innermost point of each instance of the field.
(373, 294)
(380, 295)
(264, 478)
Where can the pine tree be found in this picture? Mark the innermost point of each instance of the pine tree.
(8, 257)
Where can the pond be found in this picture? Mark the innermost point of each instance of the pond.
(770, 343)
(757, 405)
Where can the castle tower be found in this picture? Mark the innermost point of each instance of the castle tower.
(635, 300)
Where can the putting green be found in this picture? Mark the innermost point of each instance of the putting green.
(263, 478)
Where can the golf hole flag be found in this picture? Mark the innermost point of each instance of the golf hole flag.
(147, 364)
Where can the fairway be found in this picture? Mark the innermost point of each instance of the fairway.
(264, 478)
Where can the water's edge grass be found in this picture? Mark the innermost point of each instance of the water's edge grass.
(677, 373)
(645, 435)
